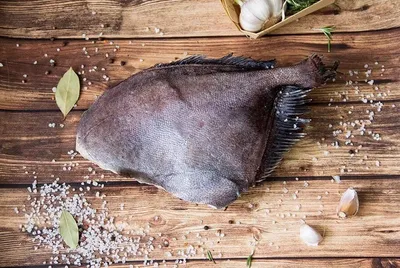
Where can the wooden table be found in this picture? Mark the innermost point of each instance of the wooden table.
(367, 33)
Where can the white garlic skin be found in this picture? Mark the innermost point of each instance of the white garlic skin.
(256, 14)
(309, 235)
(349, 204)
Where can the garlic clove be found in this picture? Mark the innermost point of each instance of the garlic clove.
(253, 14)
(259, 8)
(349, 204)
(249, 22)
(309, 235)
(276, 8)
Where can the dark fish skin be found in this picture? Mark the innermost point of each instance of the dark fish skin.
(202, 129)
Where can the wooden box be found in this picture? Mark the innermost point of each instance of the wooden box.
(233, 11)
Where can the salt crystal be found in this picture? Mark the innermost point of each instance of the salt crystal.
(285, 190)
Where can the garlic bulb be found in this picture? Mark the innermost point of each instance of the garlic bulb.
(258, 14)
(348, 205)
(309, 235)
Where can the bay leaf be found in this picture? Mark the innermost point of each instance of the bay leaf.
(69, 229)
(68, 90)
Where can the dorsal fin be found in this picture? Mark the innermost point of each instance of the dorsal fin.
(288, 127)
(243, 62)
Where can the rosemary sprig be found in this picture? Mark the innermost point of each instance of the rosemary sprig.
(210, 257)
(249, 260)
(295, 6)
(327, 31)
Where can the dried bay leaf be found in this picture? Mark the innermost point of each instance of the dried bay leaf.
(68, 90)
(69, 229)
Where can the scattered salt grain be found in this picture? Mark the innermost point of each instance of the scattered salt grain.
(104, 242)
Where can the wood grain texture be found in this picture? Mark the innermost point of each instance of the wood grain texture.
(269, 263)
(127, 19)
(26, 140)
(296, 263)
(352, 50)
(374, 232)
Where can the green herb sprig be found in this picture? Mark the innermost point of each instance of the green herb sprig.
(295, 6)
(210, 257)
(327, 31)
(249, 260)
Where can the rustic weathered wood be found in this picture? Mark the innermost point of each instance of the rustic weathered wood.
(44, 19)
(353, 51)
(296, 263)
(26, 140)
(282, 263)
(374, 232)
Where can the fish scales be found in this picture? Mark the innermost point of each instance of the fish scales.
(202, 129)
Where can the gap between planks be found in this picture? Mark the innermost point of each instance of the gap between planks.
(262, 263)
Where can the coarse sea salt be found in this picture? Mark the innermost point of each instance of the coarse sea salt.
(102, 241)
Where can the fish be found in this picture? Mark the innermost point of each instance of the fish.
(203, 129)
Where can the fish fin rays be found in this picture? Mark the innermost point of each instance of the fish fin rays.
(243, 62)
(287, 128)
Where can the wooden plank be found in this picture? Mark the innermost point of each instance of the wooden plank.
(127, 19)
(353, 51)
(282, 263)
(28, 141)
(295, 263)
(374, 232)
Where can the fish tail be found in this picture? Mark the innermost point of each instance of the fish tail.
(324, 72)
(287, 128)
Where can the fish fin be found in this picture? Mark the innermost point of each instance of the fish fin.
(287, 127)
(243, 62)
